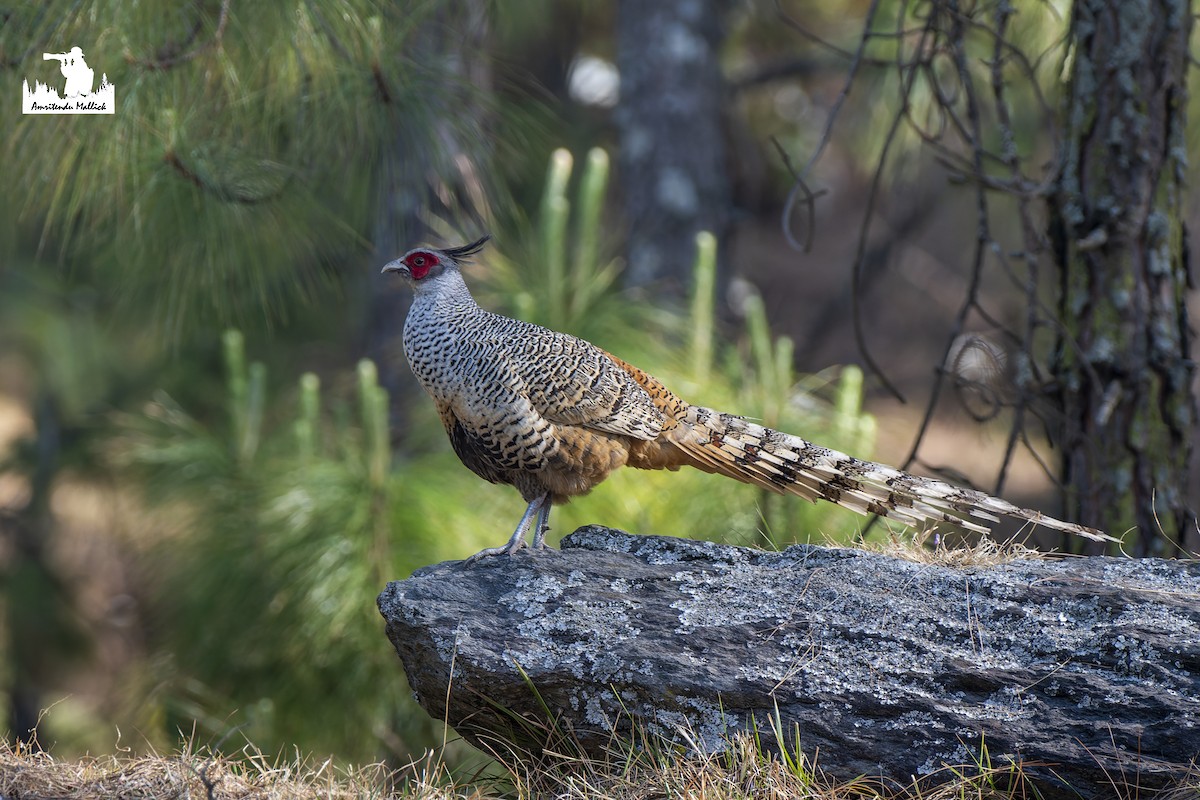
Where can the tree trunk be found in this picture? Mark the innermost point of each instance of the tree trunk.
(1086, 670)
(424, 172)
(672, 146)
(41, 627)
(1122, 367)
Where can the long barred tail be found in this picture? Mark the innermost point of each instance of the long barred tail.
(732, 446)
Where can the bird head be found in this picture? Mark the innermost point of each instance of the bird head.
(422, 264)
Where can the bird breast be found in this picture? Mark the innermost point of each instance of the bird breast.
(434, 344)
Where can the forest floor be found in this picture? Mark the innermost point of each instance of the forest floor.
(634, 774)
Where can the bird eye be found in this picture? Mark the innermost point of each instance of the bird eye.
(419, 261)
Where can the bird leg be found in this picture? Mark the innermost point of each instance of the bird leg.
(543, 525)
(517, 540)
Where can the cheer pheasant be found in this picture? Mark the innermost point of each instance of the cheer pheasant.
(553, 415)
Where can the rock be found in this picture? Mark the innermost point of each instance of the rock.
(1087, 670)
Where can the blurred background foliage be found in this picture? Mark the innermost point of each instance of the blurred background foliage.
(288, 520)
(211, 456)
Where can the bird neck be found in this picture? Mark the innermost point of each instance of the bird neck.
(446, 290)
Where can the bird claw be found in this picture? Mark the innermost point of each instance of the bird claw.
(491, 551)
(505, 550)
(540, 507)
(510, 548)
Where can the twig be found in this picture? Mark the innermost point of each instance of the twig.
(864, 228)
(855, 64)
(982, 238)
(810, 197)
(170, 55)
(777, 70)
(229, 194)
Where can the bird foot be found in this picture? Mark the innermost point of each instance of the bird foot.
(505, 550)
(541, 508)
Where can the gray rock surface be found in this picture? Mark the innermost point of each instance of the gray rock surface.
(1086, 669)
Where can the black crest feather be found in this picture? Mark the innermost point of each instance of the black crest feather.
(467, 250)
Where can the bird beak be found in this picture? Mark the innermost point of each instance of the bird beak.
(395, 266)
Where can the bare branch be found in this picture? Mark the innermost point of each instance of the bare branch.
(798, 187)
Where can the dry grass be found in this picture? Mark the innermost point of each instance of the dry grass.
(648, 771)
(928, 547)
(25, 775)
(631, 771)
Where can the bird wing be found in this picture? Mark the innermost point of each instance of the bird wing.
(573, 382)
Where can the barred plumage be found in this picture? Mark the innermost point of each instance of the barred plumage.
(553, 416)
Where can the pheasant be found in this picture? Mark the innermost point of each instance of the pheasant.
(553, 415)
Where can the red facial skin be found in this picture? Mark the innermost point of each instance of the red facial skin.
(420, 262)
